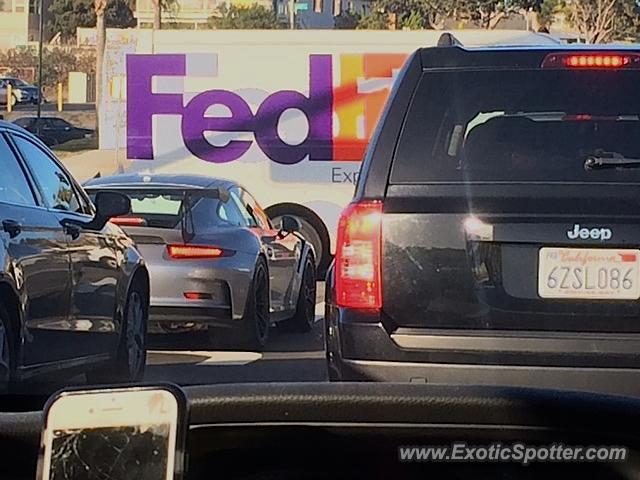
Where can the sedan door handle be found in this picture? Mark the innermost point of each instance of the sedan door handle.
(12, 227)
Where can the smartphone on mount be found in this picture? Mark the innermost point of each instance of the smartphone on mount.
(125, 433)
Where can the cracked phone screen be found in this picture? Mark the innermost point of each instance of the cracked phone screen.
(111, 453)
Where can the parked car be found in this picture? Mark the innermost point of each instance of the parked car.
(74, 289)
(214, 258)
(23, 92)
(53, 130)
(4, 94)
(494, 234)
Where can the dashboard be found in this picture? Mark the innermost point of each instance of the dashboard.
(340, 431)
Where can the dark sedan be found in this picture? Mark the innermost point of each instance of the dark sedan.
(74, 291)
(53, 130)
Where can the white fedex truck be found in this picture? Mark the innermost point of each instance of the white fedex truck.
(286, 113)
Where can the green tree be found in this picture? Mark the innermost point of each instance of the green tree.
(57, 62)
(603, 21)
(412, 14)
(65, 16)
(629, 24)
(413, 21)
(487, 13)
(160, 6)
(241, 17)
(346, 21)
(374, 20)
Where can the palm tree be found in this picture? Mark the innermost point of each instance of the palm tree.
(157, 14)
(100, 7)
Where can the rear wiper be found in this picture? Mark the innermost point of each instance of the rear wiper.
(602, 159)
(187, 216)
(189, 197)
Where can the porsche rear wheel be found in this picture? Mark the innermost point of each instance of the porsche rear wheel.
(252, 331)
(305, 316)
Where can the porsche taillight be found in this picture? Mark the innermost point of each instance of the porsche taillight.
(195, 252)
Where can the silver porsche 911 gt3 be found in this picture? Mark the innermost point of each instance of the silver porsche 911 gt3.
(215, 259)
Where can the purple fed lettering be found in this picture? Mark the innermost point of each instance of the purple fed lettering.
(316, 108)
(142, 103)
(195, 124)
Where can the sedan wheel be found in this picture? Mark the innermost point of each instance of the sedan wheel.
(132, 349)
(5, 356)
(135, 336)
(7, 366)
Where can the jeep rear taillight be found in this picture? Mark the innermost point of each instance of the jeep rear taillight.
(358, 256)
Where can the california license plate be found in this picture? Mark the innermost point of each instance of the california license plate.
(589, 273)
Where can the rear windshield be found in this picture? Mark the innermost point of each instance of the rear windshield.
(522, 126)
(166, 210)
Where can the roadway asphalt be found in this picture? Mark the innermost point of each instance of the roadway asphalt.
(186, 358)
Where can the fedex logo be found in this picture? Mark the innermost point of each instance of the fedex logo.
(340, 118)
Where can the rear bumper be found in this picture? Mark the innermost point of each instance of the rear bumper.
(214, 316)
(361, 345)
(358, 351)
(226, 280)
(620, 381)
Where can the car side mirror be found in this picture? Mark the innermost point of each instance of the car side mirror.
(290, 224)
(109, 205)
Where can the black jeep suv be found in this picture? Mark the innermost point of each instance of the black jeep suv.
(494, 237)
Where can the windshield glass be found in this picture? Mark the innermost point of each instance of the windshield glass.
(538, 126)
(266, 191)
(166, 209)
(156, 205)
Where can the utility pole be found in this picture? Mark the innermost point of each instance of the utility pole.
(292, 14)
(40, 41)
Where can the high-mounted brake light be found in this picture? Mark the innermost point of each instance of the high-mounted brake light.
(129, 221)
(192, 252)
(358, 256)
(592, 60)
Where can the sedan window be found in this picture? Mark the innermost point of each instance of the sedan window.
(56, 187)
(254, 208)
(14, 187)
(23, 122)
(59, 123)
(228, 212)
(248, 219)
